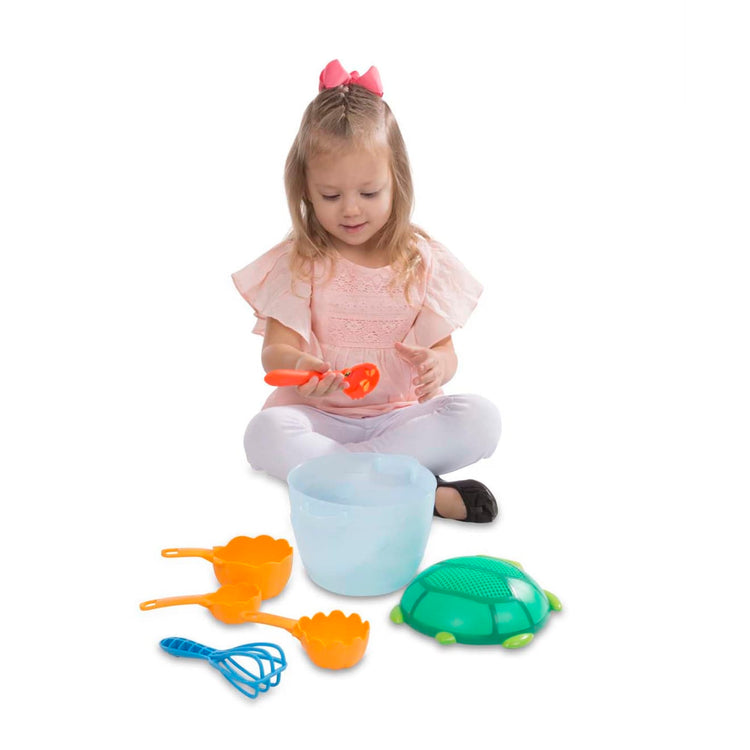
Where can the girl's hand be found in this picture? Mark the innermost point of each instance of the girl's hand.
(322, 386)
(430, 367)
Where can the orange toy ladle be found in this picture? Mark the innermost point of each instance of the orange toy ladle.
(332, 641)
(361, 379)
(262, 560)
(227, 604)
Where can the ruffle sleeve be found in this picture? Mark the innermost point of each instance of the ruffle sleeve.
(267, 285)
(451, 294)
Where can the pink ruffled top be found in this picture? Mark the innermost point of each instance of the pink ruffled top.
(354, 315)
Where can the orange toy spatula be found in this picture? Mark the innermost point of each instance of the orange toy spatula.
(361, 379)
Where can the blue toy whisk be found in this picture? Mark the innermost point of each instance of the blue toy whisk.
(265, 662)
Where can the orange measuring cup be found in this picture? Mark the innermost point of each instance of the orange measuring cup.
(361, 379)
(333, 641)
(262, 560)
(228, 603)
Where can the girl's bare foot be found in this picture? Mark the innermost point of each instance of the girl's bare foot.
(465, 500)
(449, 503)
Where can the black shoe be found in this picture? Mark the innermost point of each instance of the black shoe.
(481, 506)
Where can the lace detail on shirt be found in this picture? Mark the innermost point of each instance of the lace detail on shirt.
(367, 307)
(358, 308)
(363, 332)
(348, 281)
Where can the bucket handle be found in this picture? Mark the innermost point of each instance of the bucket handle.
(343, 515)
(413, 470)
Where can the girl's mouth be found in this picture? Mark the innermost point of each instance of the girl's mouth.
(352, 228)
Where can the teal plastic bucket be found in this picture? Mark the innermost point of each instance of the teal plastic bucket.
(361, 520)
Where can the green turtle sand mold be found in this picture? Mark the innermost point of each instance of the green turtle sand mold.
(477, 600)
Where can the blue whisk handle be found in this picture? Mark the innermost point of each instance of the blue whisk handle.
(186, 647)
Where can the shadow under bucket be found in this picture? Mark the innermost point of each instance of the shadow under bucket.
(361, 520)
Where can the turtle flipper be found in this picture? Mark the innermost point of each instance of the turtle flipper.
(517, 641)
(445, 638)
(397, 615)
(554, 602)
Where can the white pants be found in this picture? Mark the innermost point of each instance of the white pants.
(443, 434)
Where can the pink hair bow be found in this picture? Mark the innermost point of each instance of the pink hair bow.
(334, 75)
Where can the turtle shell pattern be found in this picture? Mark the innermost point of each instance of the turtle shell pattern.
(480, 600)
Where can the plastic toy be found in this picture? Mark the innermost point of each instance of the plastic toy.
(361, 379)
(226, 604)
(333, 641)
(267, 659)
(477, 600)
(361, 520)
(262, 560)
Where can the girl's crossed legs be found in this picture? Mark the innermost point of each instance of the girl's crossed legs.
(443, 434)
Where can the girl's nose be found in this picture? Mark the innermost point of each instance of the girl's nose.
(351, 206)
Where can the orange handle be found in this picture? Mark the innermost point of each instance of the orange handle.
(172, 601)
(206, 554)
(268, 619)
(290, 377)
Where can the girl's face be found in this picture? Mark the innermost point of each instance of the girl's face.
(351, 194)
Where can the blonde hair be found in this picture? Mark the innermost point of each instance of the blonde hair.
(338, 118)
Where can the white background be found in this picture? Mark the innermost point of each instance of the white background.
(588, 161)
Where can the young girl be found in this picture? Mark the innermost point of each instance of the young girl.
(357, 282)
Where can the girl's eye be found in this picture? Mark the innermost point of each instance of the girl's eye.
(330, 197)
(369, 195)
